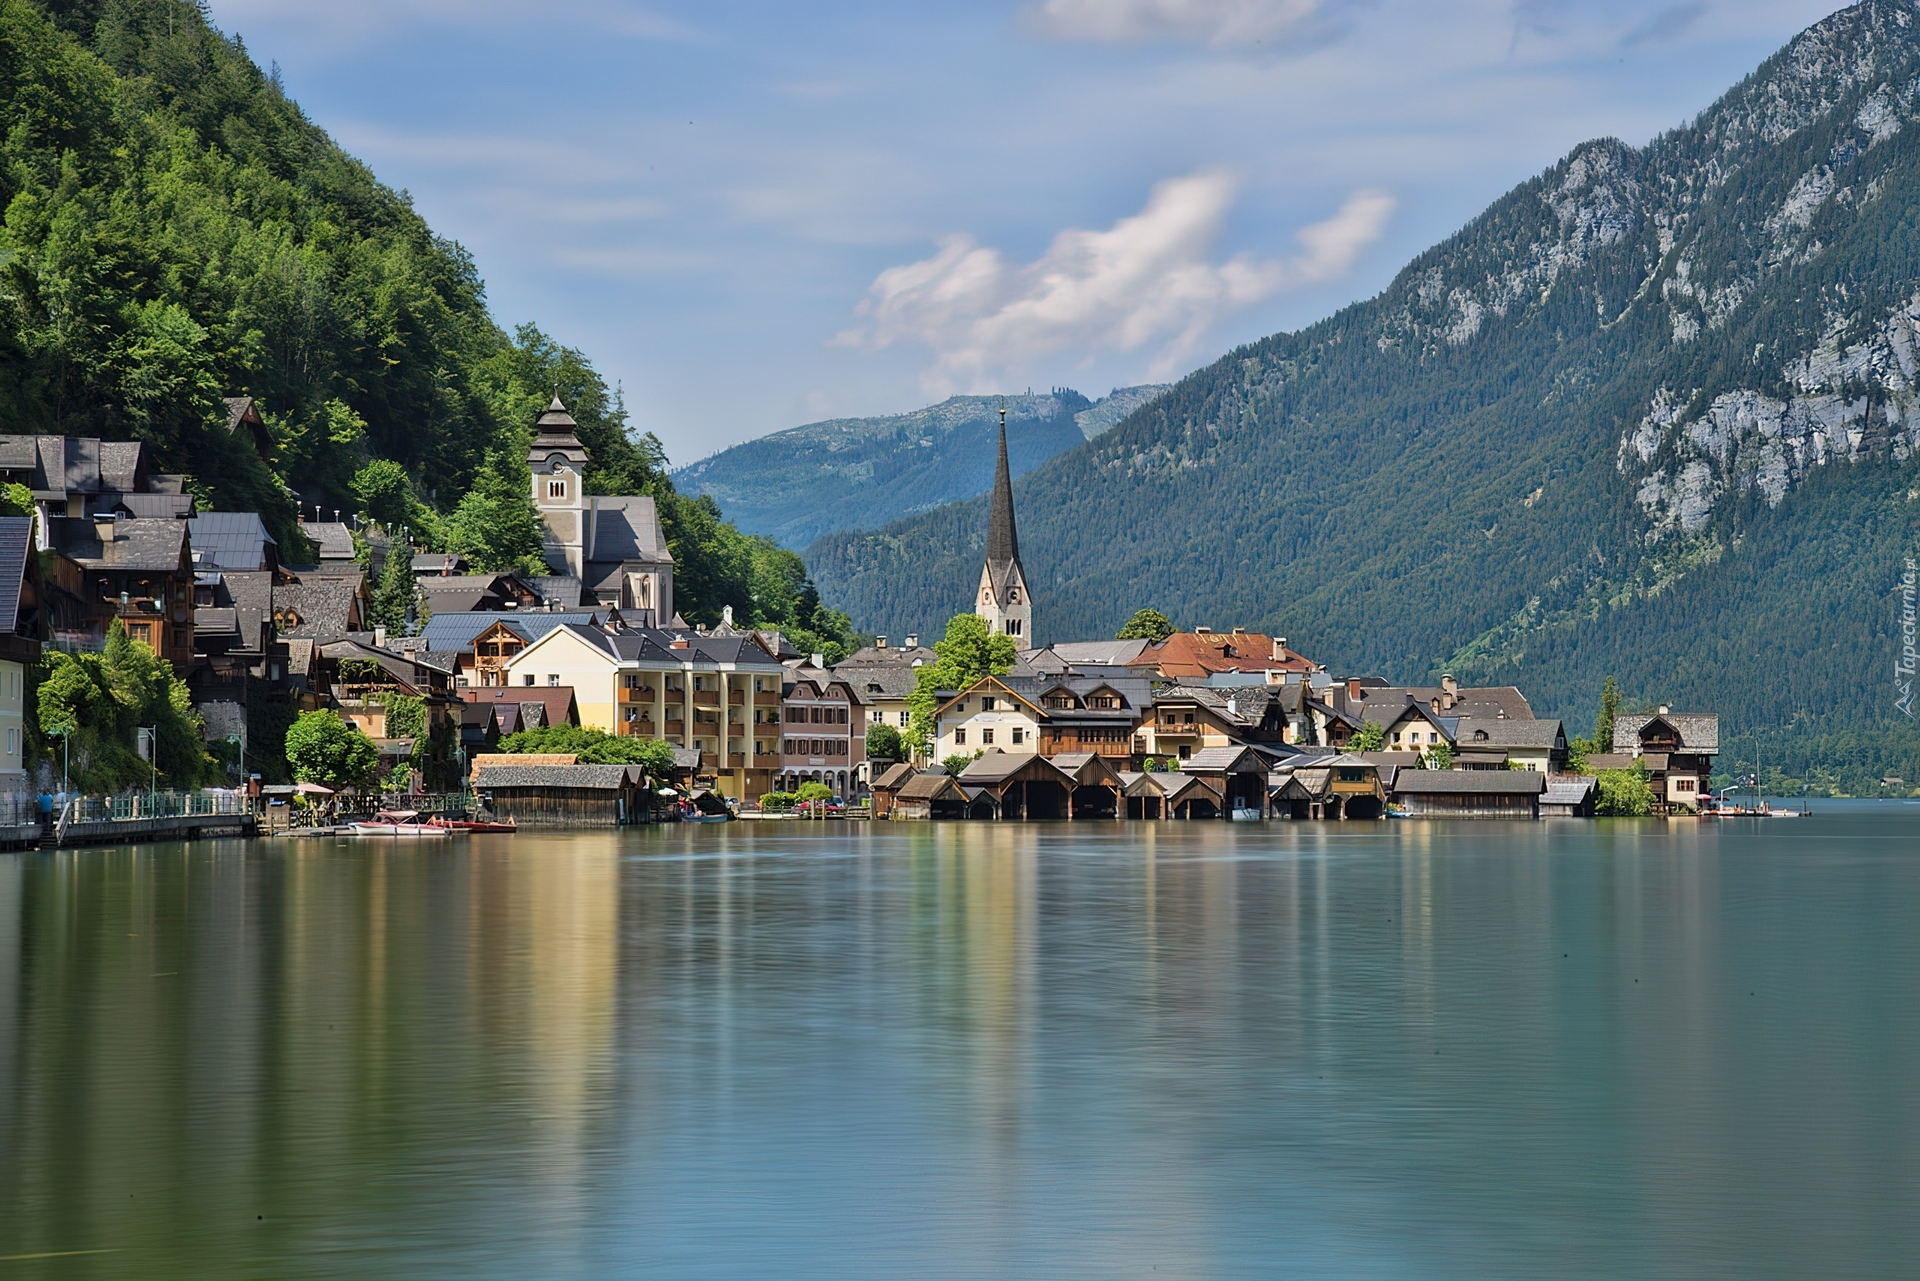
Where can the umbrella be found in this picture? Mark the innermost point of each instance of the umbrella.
(313, 789)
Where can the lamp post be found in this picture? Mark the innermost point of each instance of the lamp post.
(65, 732)
(153, 752)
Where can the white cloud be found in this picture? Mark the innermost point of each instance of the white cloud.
(1214, 22)
(1146, 282)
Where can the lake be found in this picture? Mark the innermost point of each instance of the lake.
(1176, 1050)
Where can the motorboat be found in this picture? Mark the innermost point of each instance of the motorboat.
(474, 825)
(399, 823)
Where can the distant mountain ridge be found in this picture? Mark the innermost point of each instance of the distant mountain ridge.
(860, 473)
(1653, 413)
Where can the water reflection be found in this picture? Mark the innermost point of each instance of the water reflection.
(1165, 1050)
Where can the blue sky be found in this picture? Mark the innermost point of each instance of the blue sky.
(755, 215)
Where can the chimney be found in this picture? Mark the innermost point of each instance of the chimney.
(103, 523)
(879, 642)
(1664, 709)
(819, 660)
(1279, 649)
(379, 637)
(1435, 703)
(913, 640)
(1203, 631)
(1353, 688)
(726, 615)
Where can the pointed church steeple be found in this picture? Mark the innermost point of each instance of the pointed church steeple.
(1003, 539)
(1003, 599)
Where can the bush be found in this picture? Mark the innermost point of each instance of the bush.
(811, 792)
(1625, 793)
(959, 761)
(778, 802)
(595, 747)
(326, 750)
(883, 743)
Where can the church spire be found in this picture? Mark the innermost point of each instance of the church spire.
(1004, 602)
(1003, 541)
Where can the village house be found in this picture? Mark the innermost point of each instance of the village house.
(141, 571)
(990, 714)
(78, 477)
(1678, 750)
(1506, 743)
(1192, 657)
(716, 695)
(822, 732)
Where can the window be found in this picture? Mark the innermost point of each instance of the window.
(13, 742)
(1188, 718)
(1396, 736)
(556, 489)
(1679, 784)
(527, 679)
(1019, 736)
(986, 736)
(814, 717)
(905, 717)
(1185, 753)
(553, 678)
(960, 737)
(699, 682)
(986, 702)
(1013, 624)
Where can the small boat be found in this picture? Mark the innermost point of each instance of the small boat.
(474, 825)
(399, 823)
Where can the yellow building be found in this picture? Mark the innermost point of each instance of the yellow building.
(716, 695)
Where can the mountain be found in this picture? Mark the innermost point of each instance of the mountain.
(1653, 413)
(177, 231)
(849, 473)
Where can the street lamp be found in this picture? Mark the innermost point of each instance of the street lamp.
(152, 733)
(65, 731)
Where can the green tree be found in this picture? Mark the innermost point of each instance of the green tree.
(968, 653)
(1370, 737)
(395, 592)
(102, 700)
(326, 750)
(495, 526)
(1439, 756)
(957, 763)
(1625, 793)
(1603, 720)
(883, 743)
(1147, 625)
(811, 792)
(594, 747)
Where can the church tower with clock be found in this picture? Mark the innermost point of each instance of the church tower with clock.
(1004, 601)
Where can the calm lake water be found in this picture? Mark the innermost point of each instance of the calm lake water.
(890, 1050)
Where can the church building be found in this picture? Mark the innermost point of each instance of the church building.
(614, 546)
(1004, 601)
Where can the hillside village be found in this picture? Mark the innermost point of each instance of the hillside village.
(1196, 724)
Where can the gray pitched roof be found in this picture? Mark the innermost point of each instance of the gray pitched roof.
(1506, 732)
(595, 778)
(16, 542)
(1490, 782)
(333, 539)
(153, 546)
(894, 777)
(877, 681)
(155, 506)
(928, 786)
(230, 540)
(1698, 731)
(628, 529)
(1225, 758)
(324, 607)
(564, 588)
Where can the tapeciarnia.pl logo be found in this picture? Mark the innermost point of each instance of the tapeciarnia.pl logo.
(1904, 665)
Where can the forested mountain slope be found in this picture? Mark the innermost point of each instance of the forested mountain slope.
(850, 473)
(175, 231)
(1652, 413)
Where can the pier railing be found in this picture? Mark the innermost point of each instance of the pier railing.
(140, 806)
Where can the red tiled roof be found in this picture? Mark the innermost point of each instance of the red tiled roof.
(1196, 655)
